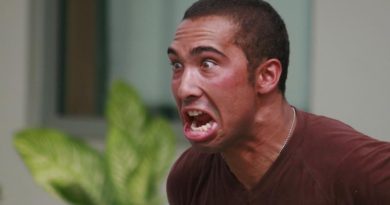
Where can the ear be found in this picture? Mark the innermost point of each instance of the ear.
(268, 75)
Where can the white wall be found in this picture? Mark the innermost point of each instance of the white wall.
(16, 183)
(351, 64)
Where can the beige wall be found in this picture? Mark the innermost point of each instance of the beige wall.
(351, 63)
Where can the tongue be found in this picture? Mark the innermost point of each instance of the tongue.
(202, 120)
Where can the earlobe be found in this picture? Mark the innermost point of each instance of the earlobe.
(268, 75)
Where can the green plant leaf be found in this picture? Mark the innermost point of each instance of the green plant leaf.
(155, 156)
(62, 165)
(121, 159)
(126, 117)
(72, 192)
(138, 173)
(158, 149)
(138, 153)
(160, 143)
(138, 150)
(125, 111)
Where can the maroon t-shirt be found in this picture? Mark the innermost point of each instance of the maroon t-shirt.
(324, 162)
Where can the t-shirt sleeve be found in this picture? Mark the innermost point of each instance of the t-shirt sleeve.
(366, 174)
(378, 174)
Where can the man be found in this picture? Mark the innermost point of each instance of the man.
(249, 146)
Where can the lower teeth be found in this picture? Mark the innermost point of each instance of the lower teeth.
(202, 128)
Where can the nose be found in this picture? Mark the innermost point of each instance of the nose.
(188, 88)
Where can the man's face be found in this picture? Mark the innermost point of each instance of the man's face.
(210, 83)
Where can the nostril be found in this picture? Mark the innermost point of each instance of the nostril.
(189, 99)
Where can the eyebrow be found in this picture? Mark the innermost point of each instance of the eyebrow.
(171, 51)
(201, 49)
(198, 50)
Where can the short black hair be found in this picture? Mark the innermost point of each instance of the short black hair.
(261, 33)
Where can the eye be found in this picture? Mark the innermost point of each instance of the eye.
(208, 64)
(176, 66)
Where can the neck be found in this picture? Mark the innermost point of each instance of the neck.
(250, 159)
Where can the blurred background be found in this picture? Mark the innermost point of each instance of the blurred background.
(59, 57)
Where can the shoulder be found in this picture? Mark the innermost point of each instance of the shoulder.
(329, 142)
(365, 171)
(332, 138)
(349, 162)
(185, 175)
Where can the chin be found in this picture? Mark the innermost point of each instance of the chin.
(207, 147)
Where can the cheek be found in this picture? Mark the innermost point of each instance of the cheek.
(230, 91)
(173, 87)
(230, 81)
(233, 87)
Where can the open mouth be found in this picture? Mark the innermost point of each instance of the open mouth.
(200, 121)
(199, 125)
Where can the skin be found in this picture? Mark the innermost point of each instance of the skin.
(210, 74)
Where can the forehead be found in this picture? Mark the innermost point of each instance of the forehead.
(208, 30)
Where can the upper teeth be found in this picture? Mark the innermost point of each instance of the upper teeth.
(194, 113)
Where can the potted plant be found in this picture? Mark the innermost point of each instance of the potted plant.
(138, 151)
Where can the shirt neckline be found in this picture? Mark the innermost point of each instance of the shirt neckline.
(288, 151)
